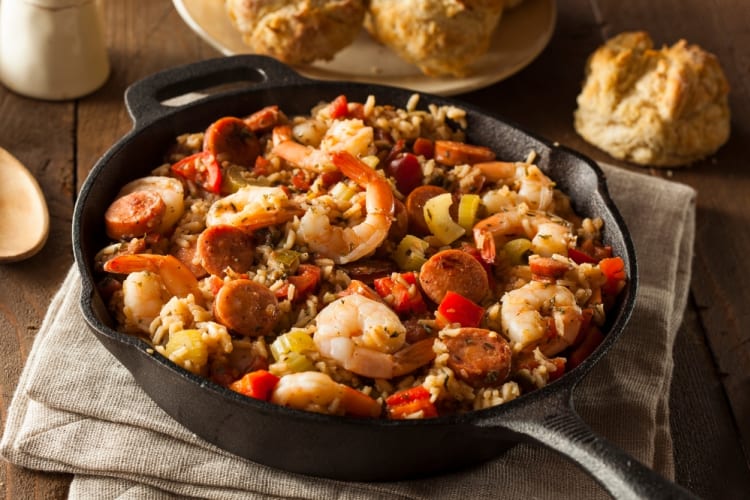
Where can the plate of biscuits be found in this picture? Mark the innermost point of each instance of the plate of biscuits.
(443, 48)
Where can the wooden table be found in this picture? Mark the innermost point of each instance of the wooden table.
(60, 141)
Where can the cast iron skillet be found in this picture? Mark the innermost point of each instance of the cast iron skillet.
(322, 445)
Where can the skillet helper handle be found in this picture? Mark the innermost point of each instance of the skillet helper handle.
(161, 93)
(561, 429)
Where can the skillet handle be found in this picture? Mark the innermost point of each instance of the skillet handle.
(561, 429)
(148, 99)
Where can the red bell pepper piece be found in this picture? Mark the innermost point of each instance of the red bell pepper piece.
(397, 294)
(339, 107)
(409, 401)
(614, 270)
(258, 384)
(455, 308)
(202, 169)
(580, 257)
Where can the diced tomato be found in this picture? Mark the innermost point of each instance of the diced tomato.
(305, 282)
(258, 384)
(424, 147)
(560, 364)
(201, 168)
(409, 401)
(455, 308)
(402, 298)
(614, 270)
(300, 181)
(591, 340)
(339, 107)
(407, 172)
(261, 166)
(580, 257)
(331, 177)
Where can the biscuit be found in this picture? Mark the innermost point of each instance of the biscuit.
(663, 107)
(441, 37)
(298, 32)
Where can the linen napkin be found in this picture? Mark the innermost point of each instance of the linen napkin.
(77, 410)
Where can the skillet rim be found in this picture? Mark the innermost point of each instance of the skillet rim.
(565, 384)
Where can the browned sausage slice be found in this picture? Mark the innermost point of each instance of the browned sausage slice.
(459, 153)
(415, 207)
(223, 246)
(400, 225)
(230, 139)
(479, 357)
(453, 270)
(134, 215)
(246, 307)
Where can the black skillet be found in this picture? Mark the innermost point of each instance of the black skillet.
(322, 445)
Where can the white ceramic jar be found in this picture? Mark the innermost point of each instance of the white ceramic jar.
(52, 49)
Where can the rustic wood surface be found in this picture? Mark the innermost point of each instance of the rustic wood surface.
(60, 141)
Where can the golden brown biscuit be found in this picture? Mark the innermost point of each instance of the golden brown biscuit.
(441, 37)
(300, 31)
(664, 108)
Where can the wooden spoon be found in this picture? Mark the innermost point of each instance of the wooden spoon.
(24, 219)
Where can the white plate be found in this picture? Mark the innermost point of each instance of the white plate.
(520, 37)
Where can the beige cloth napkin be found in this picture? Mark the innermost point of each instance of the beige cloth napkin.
(77, 410)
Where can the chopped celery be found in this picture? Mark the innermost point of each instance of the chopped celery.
(517, 251)
(370, 160)
(295, 341)
(187, 349)
(438, 218)
(342, 192)
(467, 210)
(410, 253)
(296, 362)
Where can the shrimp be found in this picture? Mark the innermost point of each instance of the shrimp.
(366, 337)
(351, 136)
(252, 207)
(541, 314)
(348, 244)
(143, 296)
(172, 274)
(318, 392)
(530, 185)
(549, 234)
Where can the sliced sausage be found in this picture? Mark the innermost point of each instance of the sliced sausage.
(479, 357)
(230, 139)
(224, 246)
(459, 153)
(265, 119)
(246, 307)
(417, 330)
(453, 270)
(187, 255)
(368, 270)
(134, 215)
(400, 225)
(415, 207)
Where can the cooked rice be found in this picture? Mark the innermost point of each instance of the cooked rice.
(281, 250)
